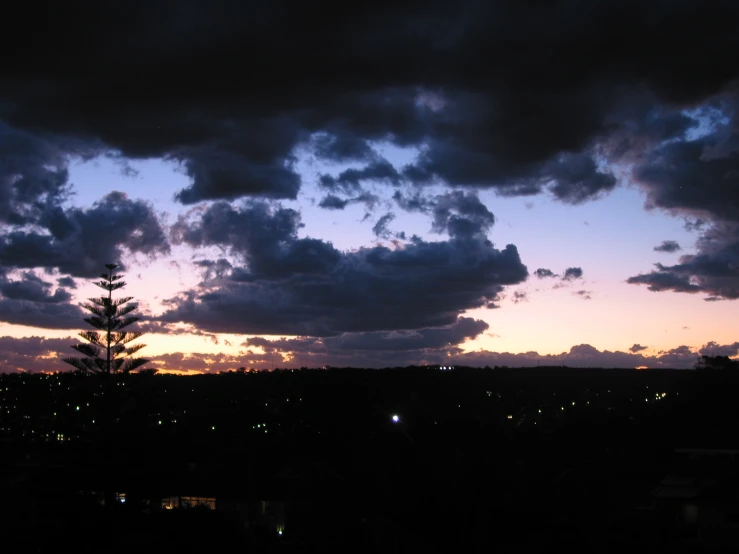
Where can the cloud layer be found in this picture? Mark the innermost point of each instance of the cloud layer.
(282, 284)
(496, 96)
(436, 347)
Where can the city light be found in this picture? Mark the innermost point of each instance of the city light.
(396, 418)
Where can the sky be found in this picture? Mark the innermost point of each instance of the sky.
(374, 185)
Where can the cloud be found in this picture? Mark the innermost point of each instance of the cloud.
(34, 354)
(572, 273)
(461, 215)
(33, 174)
(584, 294)
(415, 75)
(196, 362)
(698, 179)
(541, 273)
(33, 288)
(29, 301)
(637, 348)
(66, 282)
(668, 246)
(427, 346)
(664, 280)
(439, 80)
(714, 270)
(341, 147)
(350, 181)
(304, 286)
(575, 178)
(381, 227)
(333, 202)
(583, 355)
(519, 296)
(374, 348)
(714, 349)
(81, 241)
(415, 201)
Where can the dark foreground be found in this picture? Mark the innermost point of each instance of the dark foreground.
(312, 461)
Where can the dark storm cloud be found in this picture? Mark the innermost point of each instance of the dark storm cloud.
(699, 179)
(33, 173)
(341, 147)
(637, 348)
(495, 94)
(80, 241)
(679, 177)
(220, 172)
(303, 286)
(572, 273)
(668, 246)
(541, 273)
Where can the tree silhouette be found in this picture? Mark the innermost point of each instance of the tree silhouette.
(716, 362)
(106, 351)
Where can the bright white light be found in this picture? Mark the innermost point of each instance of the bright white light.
(279, 532)
(396, 418)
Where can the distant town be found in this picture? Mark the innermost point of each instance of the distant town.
(371, 460)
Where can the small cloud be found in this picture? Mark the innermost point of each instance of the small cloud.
(713, 299)
(668, 246)
(67, 282)
(584, 294)
(520, 297)
(381, 227)
(333, 202)
(541, 273)
(572, 273)
(637, 348)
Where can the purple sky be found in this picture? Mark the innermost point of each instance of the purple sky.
(467, 183)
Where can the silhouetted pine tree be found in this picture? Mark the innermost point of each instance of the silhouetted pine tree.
(106, 351)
